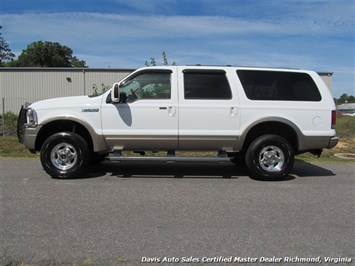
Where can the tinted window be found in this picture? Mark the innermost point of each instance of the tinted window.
(279, 86)
(146, 85)
(206, 85)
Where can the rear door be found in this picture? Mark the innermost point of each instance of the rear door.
(208, 110)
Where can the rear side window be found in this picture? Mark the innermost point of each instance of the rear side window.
(206, 85)
(278, 86)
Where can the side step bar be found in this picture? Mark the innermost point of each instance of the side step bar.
(118, 157)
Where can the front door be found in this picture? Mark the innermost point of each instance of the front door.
(146, 117)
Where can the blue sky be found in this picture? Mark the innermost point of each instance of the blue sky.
(308, 34)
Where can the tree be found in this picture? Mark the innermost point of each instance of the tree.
(5, 51)
(47, 54)
(165, 60)
(76, 63)
(345, 98)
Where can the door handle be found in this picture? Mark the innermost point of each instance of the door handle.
(163, 108)
(234, 112)
(172, 110)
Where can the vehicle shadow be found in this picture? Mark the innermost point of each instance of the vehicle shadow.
(204, 170)
(304, 169)
(168, 170)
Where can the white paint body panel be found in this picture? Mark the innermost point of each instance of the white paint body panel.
(180, 124)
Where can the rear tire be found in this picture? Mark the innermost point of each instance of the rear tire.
(269, 157)
(65, 155)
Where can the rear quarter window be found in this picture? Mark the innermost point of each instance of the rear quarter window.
(278, 86)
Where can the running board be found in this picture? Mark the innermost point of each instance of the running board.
(118, 157)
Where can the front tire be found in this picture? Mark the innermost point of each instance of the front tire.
(269, 157)
(65, 155)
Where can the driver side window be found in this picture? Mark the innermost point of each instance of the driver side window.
(147, 86)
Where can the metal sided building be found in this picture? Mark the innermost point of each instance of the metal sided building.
(327, 78)
(20, 85)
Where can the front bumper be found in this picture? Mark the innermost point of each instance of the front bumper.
(30, 135)
(333, 142)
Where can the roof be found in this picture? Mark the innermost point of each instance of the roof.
(60, 69)
(346, 106)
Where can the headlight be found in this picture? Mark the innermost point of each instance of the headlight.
(31, 117)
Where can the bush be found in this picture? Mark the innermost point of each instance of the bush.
(10, 126)
(345, 126)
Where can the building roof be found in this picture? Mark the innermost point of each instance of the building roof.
(346, 106)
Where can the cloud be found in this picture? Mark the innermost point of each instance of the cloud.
(112, 26)
(116, 35)
(312, 34)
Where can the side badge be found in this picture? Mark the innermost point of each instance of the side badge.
(89, 110)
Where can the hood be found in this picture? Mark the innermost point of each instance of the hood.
(67, 102)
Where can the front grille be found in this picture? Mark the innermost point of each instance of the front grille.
(21, 124)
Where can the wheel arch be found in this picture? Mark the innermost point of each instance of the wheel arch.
(280, 127)
(70, 125)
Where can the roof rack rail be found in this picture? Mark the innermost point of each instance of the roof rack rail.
(272, 67)
(210, 65)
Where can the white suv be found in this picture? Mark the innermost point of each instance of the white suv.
(262, 116)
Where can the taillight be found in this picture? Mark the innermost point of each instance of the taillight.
(334, 119)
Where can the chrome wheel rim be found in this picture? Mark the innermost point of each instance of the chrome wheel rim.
(271, 159)
(64, 156)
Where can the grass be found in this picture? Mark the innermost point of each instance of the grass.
(11, 148)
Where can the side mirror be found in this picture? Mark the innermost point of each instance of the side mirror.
(115, 93)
